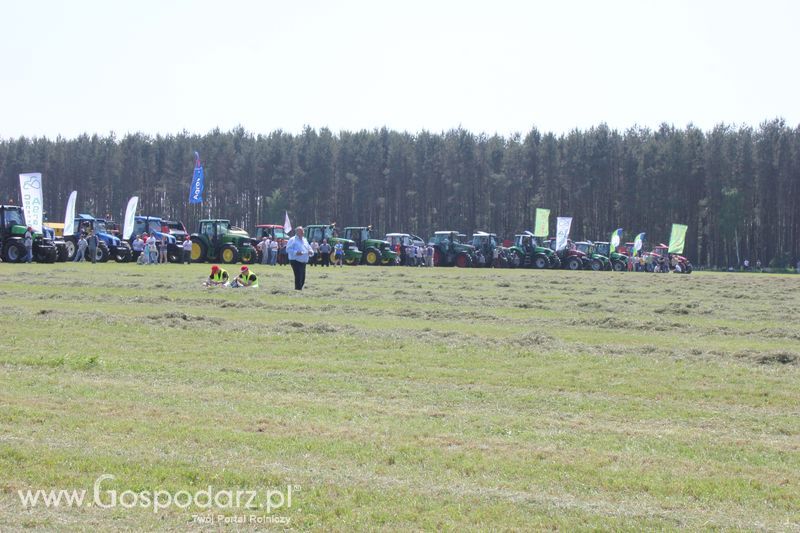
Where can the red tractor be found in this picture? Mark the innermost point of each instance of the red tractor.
(571, 258)
(675, 262)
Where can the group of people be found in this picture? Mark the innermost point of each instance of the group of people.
(88, 241)
(150, 250)
(219, 277)
(269, 249)
(324, 251)
(416, 255)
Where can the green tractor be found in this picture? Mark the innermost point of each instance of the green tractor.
(12, 238)
(449, 250)
(318, 232)
(597, 261)
(375, 251)
(619, 262)
(217, 240)
(528, 252)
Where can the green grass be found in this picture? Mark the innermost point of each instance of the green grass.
(405, 398)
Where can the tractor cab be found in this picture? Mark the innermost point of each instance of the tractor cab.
(319, 232)
(449, 249)
(485, 242)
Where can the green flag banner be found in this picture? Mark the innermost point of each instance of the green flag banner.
(542, 228)
(677, 240)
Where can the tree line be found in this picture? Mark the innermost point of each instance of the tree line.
(737, 188)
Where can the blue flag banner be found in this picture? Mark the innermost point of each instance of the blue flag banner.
(196, 190)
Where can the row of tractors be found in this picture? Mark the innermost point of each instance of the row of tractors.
(217, 240)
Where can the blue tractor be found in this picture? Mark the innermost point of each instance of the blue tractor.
(109, 247)
(158, 227)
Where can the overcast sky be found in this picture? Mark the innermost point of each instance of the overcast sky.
(160, 66)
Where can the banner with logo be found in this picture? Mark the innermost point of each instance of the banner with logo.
(69, 217)
(130, 217)
(30, 185)
(616, 238)
(677, 239)
(542, 227)
(562, 232)
(198, 178)
(638, 243)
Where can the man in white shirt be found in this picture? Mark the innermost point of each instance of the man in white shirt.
(273, 252)
(299, 252)
(187, 251)
(263, 247)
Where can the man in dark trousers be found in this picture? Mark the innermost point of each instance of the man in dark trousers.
(92, 241)
(299, 252)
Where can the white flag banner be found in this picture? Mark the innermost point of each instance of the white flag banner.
(130, 214)
(69, 218)
(287, 225)
(562, 232)
(30, 185)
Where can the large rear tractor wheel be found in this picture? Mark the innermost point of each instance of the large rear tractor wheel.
(573, 263)
(438, 257)
(618, 266)
(199, 252)
(596, 265)
(372, 257)
(463, 260)
(540, 262)
(229, 254)
(333, 257)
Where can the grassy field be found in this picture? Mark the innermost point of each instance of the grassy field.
(404, 398)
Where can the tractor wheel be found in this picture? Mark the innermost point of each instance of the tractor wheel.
(333, 258)
(101, 253)
(540, 261)
(596, 265)
(248, 255)
(372, 256)
(573, 263)
(173, 257)
(438, 257)
(388, 261)
(14, 252)
(555, 262)
(72, 249)
(463, 260)
(687, 269)
(516, 259)
(63, 253)
(199, 252)
(350, 261)
(229, 254)
(618, 266)
(49, 255)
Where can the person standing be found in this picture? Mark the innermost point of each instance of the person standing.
(92, 243)
(299, 252)
(339, 253)
(325, 250)
(152, 250)
(263, 247)
(162, 251)
(28, 241)
(187, 251)
(315, 250)
(80, 255)
(273, 252)
(137, 247)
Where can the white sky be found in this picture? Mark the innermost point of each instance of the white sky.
(161, 66)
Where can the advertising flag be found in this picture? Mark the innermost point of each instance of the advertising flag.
(287, 225)
(130, 215)
(677, 239)
(616, 237)
(30, 186)
(542, 227)
(638, 243)
(562, 232)
(196, 190)
(69, 217)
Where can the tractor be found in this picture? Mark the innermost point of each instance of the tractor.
(156, 227)
(489, 252)
(403, 245)
(676, 262)
(12, 234)
(320, 232)
(376, 251)
(449, 250)
(108, 246)
(217, 240)
(529, 253)
(619, 261)
(571, 258)
(274, 232)
(597, 261)
(177, 230)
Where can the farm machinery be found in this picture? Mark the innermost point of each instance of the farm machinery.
(489, 252)
(597, 261)
(403, 245)
(156, 227)
(571, 258)
(320, 232)
(619, 261)
(109, 246)
(678, 263)
(449, 250)
(12, 234)
(528, 252)
(217, 240)
(273, 232)
(375, 251)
